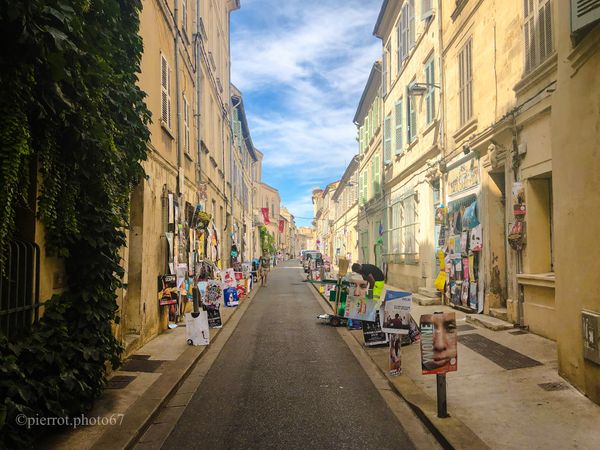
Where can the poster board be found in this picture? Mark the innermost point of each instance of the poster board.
(395, 311)
(438, 343)
(197, 328)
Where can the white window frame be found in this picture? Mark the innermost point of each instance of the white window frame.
(403, 229)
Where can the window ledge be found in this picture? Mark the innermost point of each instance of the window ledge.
(460, 5)
(430, 127)
(537, 279)
(412, 145)
(167, 130)
(584, 49)
(188, 156)
(540, 72)
(465, 130)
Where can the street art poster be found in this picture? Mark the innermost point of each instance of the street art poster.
(438, 343)
(395, 316)
(518, 199)
(197, 328)
(167, 290)
(395, 354)
(361, 308)
(246, 270)
(214, 293)
(214, 317)
(231, 297)
(372, 333)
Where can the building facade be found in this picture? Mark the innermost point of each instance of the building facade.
(345, 218)
(368, 119)
(411, 121)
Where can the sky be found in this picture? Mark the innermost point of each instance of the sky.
(301, 66)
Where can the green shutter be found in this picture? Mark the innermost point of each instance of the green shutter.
(377, 174)
(399, 148)
(387, 140)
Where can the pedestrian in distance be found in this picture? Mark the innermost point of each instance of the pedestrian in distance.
(264, 270)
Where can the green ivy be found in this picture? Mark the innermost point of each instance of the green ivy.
(72, 107)
(267, 241)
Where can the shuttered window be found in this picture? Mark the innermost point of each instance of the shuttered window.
(426, 9)
(584, 13)
(538, 33)
(465, 68)
(398, 127)
(186, 126)
(387, 140)
(376, 181)
(165, 104)
(430, 94)
(411, 125)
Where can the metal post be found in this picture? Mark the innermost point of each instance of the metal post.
(442, 410)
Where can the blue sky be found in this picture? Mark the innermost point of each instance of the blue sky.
(301, 66)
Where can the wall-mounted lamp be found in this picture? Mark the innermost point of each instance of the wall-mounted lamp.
(420, 88)
(466, 149)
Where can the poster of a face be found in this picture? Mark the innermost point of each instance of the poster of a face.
(239, 276)
(438, 343)
(214, 294)
(395, 315)
(230, 295)
(361, 308)
(395, 354)
(372, 333)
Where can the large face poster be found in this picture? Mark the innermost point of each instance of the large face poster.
(438, 343)
(395, 317)
(197, 328)
(372, 333)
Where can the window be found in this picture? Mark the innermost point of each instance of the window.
(398, 111)
(165, 104)
(385, 69)
(402, 230)
(426, 9)
(584, 14)
(367, 134)
(465, 68)
(537, 29)
(362, 183)
(375, 175)
(430, 94)
(186, 126)
(387, 140)
(411, 126)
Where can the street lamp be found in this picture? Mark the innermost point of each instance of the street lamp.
(420, 88)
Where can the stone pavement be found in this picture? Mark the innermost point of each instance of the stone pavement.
(143, 384)
(523, 405)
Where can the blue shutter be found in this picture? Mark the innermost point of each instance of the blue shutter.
(387, 140)
(399, 142)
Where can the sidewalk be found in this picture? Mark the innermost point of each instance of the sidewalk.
(524, 405)
(135, 392)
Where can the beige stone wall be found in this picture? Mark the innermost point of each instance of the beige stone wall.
(575, 132)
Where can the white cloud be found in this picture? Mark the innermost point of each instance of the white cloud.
(304, 64)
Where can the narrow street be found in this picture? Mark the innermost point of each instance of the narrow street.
(283, 380)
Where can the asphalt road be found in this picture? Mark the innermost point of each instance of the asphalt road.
(284, 381)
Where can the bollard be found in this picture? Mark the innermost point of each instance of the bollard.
(442, 410)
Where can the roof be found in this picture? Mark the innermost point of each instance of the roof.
(384, 16)
(352, 166)
(370, 91)
(238, 102)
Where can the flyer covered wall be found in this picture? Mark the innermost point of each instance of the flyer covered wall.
(438, 343)
(395, 316)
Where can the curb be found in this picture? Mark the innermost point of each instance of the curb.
(142, 412)
(450, 432)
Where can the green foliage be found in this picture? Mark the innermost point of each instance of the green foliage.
(267, 241)
(70, 104)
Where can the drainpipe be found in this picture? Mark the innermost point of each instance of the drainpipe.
(180, 182)
(198, 91)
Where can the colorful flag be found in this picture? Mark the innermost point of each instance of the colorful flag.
(281, 225)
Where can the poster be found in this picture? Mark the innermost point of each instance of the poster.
(361, 308)
(230, 295)
(518, 198)
(214, 293)
(372, 333)
(228, 277)
(167, 290)
(395, 354)
(396, 311)
(214, 317)
(197, 328)
(438, 343)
